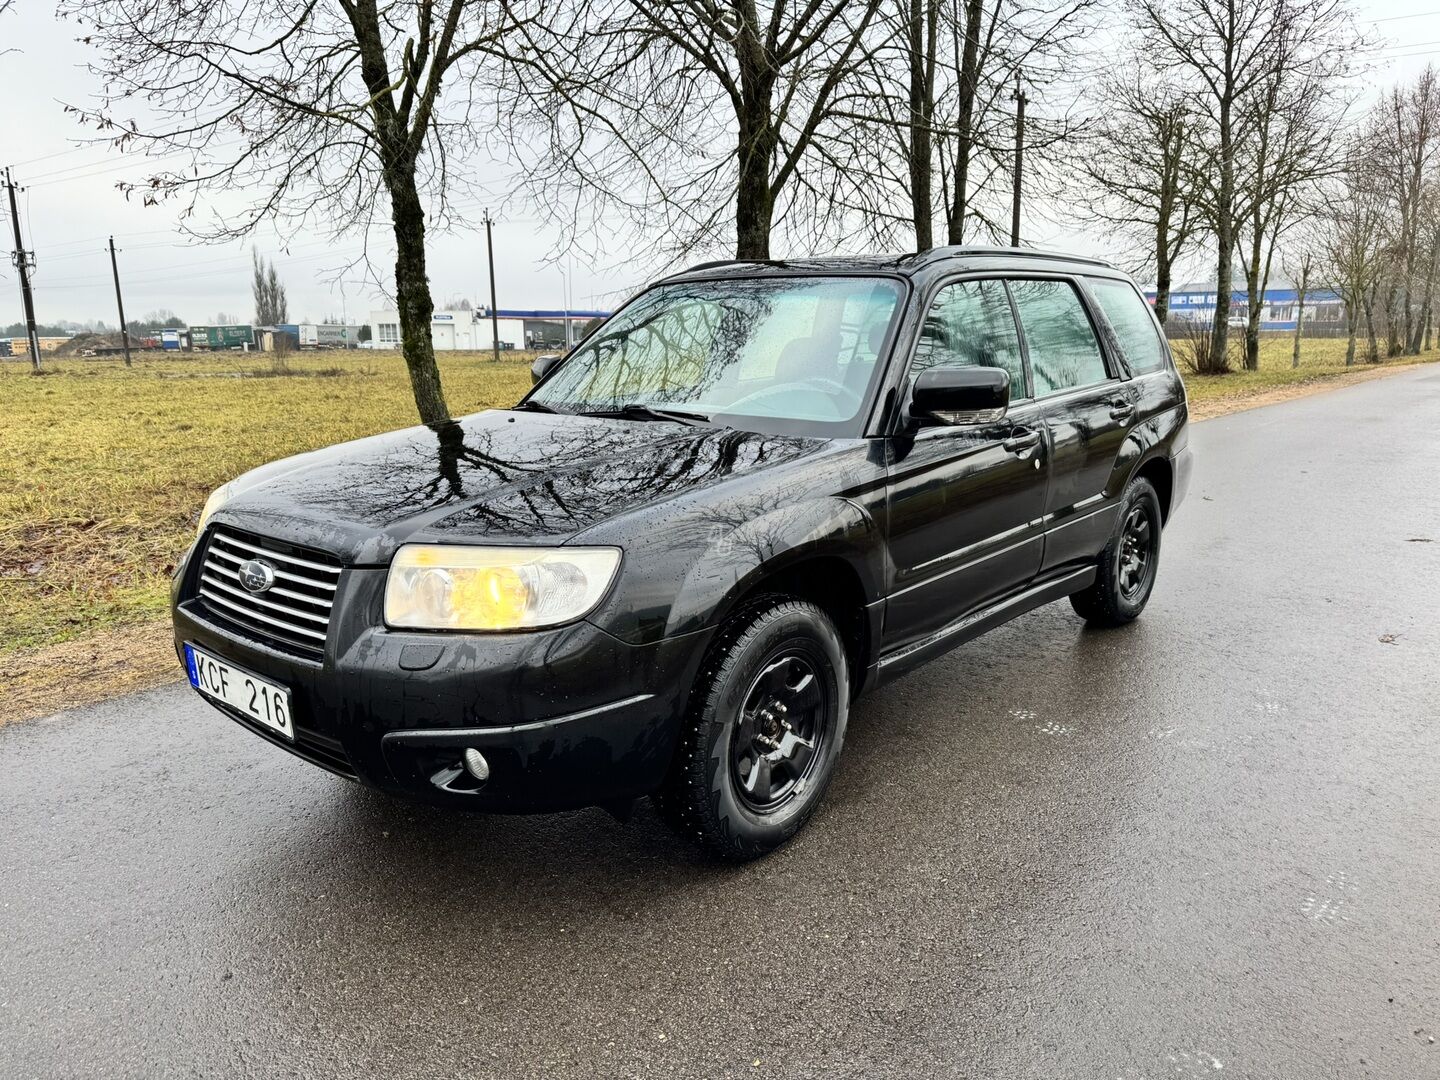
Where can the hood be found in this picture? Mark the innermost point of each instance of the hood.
(507, 476)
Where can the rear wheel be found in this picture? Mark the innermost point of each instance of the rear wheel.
(765, 727)
(1125, 576)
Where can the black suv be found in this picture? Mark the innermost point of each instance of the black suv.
(755, 491)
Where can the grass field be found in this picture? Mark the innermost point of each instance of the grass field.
(103, 469)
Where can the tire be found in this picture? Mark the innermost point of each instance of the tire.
(765, 726)
(1126, 573)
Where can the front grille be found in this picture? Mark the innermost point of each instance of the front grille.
(294, 613)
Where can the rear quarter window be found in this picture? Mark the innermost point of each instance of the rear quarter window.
(1129, 316)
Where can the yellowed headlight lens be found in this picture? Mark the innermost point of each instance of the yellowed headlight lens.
(442, 587)
(489, 598)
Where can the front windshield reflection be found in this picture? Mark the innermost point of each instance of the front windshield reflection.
(799, 349)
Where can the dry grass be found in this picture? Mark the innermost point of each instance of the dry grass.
(1322, 360)
(95, 666)
(105, 469)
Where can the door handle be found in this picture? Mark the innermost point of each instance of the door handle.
(1120, 409)
(1022, 444)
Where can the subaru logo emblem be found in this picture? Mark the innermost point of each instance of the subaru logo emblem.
(256, 575)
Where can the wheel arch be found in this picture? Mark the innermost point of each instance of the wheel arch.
(831, 582)
(1161, 473)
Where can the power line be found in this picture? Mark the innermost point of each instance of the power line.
(1415, 15)
(1408, 45)
(1403, 56)
(47, 157)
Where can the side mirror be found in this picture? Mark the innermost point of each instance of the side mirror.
(969, 395)
(543, 365)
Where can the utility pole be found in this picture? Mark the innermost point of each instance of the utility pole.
(119, 303)
(494, 318)
(24, 262)
(1018, 96)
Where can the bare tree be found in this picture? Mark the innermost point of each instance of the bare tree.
(1352, 233)
(695, 119)
(1291, 121)
(1142, 167)
(993, 42)
(315, 112)
(1406, 149)
(1233, 51)
(271, 307)
(941, 143)
(1300, 274)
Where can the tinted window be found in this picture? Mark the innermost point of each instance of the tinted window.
(970, 325)
(1063, 349)
(1129, 316)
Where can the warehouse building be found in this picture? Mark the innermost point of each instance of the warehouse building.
(1195, 303)
(471, 331)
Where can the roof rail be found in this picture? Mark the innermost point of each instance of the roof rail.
(958, 250)
(714, 263)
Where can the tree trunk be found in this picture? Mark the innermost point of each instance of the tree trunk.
(1393, 343)
(412, 294)
(754, 200)
(967, 65)
(1352, 326)
(1162, 287)
(1162, 252)
(1300, 311)
(923, 34)
(1374, 353)
(1254, 295)
(1422, 329)
(1224, 246)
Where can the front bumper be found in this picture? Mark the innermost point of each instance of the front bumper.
(567, 717)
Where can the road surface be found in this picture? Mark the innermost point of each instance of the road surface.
(1207, 844)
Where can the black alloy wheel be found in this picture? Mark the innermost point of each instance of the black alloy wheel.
(1136, 552)
(1125, 572)
(765, 727)
(780, 733)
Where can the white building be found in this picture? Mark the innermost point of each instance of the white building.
(471, 330)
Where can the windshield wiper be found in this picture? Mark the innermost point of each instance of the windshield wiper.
(636, 411)
(535, 406)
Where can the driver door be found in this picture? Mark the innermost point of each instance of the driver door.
(966, 503)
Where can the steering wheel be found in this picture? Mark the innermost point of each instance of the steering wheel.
(836, 387)
(833, 394)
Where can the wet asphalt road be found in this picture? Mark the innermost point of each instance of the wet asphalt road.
(1207, 844)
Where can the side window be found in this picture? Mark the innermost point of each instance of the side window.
(1063, 350)
(970, 325)
(1129, 316)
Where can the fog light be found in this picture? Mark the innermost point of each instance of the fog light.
(476, 765)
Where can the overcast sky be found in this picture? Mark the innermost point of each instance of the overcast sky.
(70, 206)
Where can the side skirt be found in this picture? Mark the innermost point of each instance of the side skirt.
(968, 627)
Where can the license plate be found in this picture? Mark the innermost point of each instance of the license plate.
(261, 701)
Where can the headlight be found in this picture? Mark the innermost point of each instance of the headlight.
(445, 587)
(218, 498)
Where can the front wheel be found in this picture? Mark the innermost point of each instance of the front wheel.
(1126, 572)
(765, 727)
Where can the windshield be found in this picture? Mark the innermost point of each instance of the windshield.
(795, 355)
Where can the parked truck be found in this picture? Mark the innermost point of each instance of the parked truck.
(222, 337)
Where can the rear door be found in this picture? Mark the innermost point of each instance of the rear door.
(1087, 409)
(965, 502)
